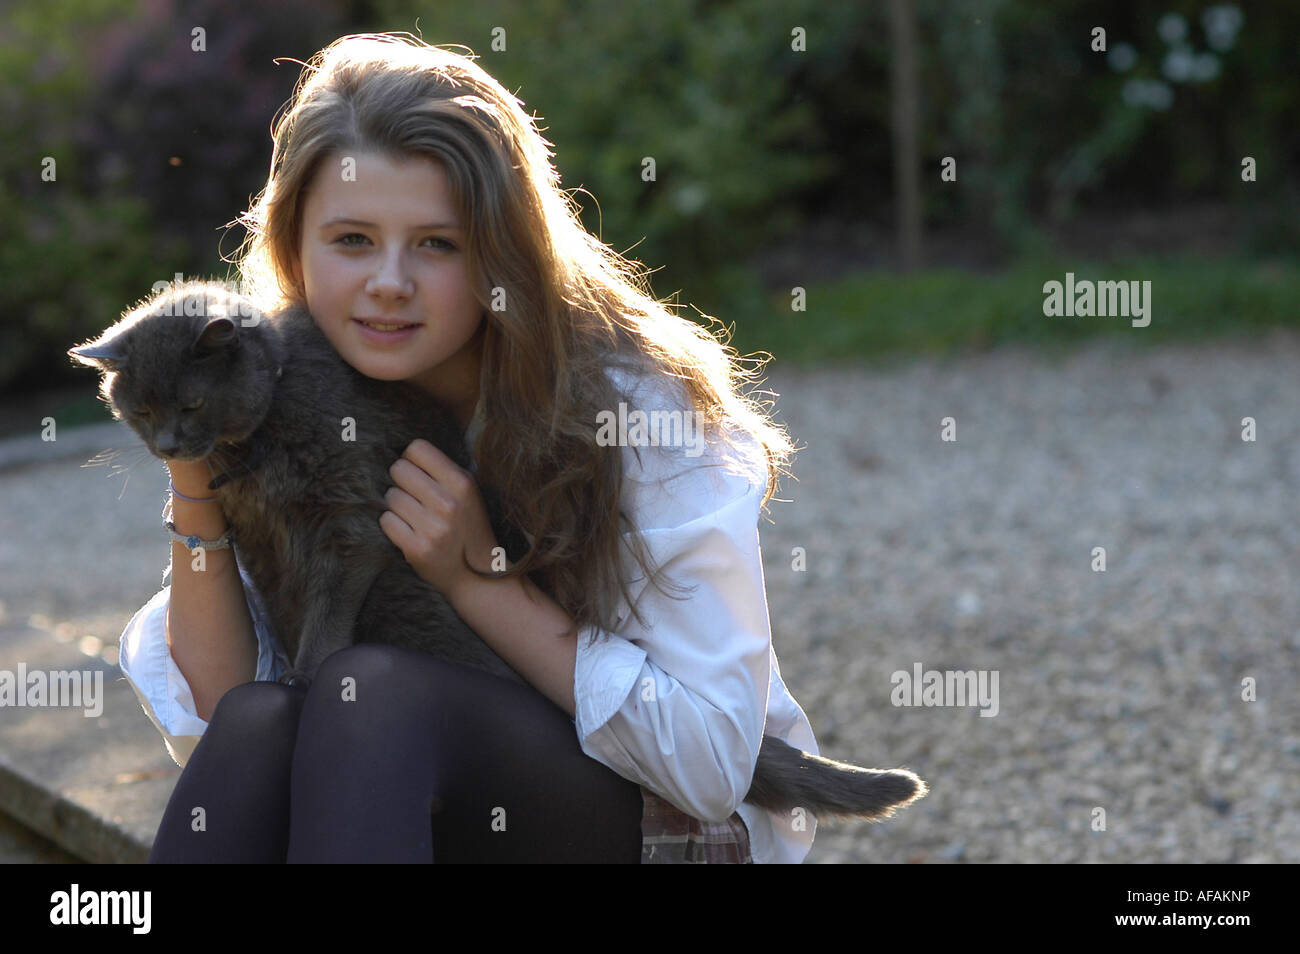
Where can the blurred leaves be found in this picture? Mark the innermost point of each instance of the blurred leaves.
(158, 146)
(66, 256)
(154, 147)
(702, 88)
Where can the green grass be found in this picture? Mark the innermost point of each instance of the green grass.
(871, 316)
(21, 415)
(76, 412)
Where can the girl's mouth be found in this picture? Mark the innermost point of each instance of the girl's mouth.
(386, 331)
(387, 325)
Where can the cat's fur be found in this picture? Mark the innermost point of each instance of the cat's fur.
(304, 503)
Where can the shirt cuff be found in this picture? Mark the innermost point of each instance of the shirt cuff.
(669, 760)
(607, 674)
(164, 693)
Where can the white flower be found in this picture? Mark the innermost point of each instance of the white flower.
(1179, 64)
(1172, 28)
(1121, 57)
(1205, 68)
(1150, 93)
(690, 198)
(1221, 24)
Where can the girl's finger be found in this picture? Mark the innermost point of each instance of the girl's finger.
(413, 479)
(397, 530)
(436, 464)
(404, 506)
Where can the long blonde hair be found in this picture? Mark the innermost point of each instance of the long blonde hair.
(574, 305)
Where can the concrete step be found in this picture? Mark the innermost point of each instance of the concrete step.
(95, 780)
(19, 845)
(81, 549)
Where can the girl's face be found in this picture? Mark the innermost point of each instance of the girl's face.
(384, 247)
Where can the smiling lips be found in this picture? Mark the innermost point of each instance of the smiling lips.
(386, 325)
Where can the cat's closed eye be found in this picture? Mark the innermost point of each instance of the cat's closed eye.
(194, 406)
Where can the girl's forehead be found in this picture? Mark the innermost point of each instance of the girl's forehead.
(353, 185)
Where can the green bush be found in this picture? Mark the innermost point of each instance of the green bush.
(69, 259)
(705, 89)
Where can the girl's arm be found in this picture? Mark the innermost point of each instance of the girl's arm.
(526, 628)
(437, 514)
(145, 650)
(677, 704)
(209, 629)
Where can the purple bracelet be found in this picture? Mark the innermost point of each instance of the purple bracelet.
(190, 499)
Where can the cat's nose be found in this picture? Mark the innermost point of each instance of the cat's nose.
(167, 443)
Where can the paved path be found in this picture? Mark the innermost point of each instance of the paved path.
(1120, 692)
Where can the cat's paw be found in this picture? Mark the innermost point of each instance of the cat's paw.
(295, 678)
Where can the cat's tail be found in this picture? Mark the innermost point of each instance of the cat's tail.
(786, 778)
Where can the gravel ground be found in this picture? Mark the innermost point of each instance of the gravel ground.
(1120, 693)
(1122, 734)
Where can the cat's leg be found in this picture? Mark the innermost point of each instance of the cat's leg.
(403, 610)
(333, 601)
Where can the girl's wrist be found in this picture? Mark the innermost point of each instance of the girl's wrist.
(463, 590)
(190, 479)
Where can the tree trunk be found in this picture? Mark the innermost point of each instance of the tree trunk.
(906, 100)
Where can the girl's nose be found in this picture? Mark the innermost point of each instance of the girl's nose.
(391, 280)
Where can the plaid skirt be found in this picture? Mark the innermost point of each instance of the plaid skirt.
(670, 836)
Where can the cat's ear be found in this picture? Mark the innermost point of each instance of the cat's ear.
(217, 335)
(108, 355)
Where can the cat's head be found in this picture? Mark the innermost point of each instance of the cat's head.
(193, 367)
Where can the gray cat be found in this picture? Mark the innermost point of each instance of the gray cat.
(198, 372)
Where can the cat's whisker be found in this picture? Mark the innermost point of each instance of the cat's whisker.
(142, 454)
(104, 457)
(118, 462)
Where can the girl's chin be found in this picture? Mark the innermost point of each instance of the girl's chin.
(378, 365)
(378, 371)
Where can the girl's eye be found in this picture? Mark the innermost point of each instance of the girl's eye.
(343, 240)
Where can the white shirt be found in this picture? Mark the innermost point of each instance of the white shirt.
(679, 705)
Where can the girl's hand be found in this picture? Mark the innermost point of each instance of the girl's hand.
(436, 516)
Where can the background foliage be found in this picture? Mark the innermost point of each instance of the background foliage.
(757, 147)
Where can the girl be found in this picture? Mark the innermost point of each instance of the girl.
(413, 208)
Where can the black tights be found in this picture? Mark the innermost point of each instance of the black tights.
(431, 762)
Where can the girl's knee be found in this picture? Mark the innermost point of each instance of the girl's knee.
(253, 706)
(364, 662)
(394, 668)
